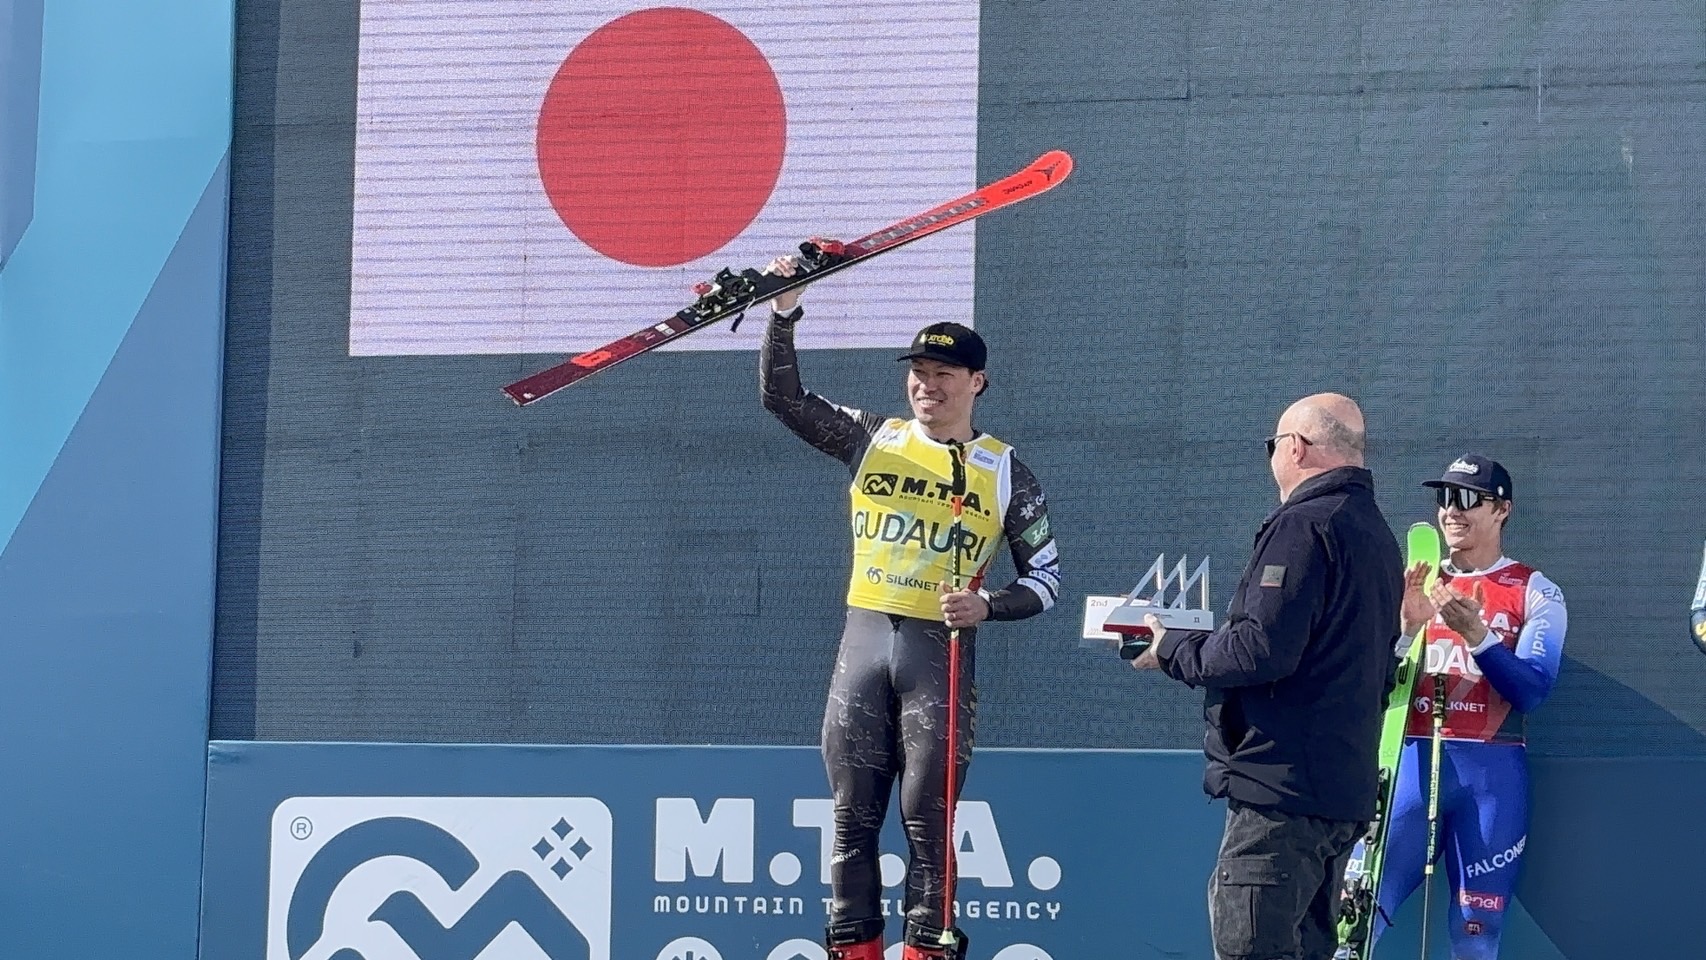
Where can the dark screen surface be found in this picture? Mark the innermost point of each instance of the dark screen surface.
(1485, 224)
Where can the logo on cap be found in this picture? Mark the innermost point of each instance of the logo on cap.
(949, 343)
(1463, 466)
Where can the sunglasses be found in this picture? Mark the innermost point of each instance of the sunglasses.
(1274, 440)
(1460, 497)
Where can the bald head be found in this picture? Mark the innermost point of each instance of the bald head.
(1333, 424)
(1328, 432)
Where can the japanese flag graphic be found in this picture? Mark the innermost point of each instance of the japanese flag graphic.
(549, 175)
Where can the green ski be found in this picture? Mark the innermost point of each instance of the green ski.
(1357, 903)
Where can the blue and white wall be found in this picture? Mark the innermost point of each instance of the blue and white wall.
(115, 126)
(383, 851)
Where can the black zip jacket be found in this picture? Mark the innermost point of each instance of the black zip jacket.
(1297, 676)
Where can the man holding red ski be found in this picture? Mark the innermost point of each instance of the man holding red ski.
(932, 499)
(1495, 640)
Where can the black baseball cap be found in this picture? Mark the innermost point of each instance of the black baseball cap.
(1475, 472)
(949, 343)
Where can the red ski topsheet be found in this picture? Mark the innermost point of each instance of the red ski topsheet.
(1041, 175)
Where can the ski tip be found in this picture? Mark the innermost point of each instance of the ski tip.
(521, 397)
(1055, 166)
(1424, 532)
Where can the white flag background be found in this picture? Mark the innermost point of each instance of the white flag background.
(549, 175)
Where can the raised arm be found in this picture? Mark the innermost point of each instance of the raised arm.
(838, 431)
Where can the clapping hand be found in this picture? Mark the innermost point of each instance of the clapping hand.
(1462, 613)
(1417, 608)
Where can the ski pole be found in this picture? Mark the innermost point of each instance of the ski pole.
(1438, 712)
(949, 868)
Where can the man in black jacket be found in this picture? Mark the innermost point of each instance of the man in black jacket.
(1295, 681)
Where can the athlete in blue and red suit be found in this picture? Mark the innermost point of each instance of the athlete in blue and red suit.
(1495, 631)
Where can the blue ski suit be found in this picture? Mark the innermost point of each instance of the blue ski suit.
(1483, 788)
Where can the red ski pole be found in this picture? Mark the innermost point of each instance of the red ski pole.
(951, 939)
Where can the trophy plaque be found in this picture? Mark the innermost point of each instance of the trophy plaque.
(1162, 592)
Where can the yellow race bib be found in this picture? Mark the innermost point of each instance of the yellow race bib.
(903, 518)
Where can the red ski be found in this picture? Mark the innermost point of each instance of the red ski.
(729, 294)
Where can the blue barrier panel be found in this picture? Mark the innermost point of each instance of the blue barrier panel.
(634, 853)
(111, 334)
(106, 614)
(20, 95)
(642, 852)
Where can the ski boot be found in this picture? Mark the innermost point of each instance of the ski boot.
(859, 940)
(954, 951)
(923, 943)
(868, 950)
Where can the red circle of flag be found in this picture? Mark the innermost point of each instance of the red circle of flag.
(661, 137)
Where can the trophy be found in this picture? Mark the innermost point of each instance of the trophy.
(1161, 592)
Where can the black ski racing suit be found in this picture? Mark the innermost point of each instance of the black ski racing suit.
(886, 716)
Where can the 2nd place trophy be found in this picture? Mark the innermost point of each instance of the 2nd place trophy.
(1163, 593)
